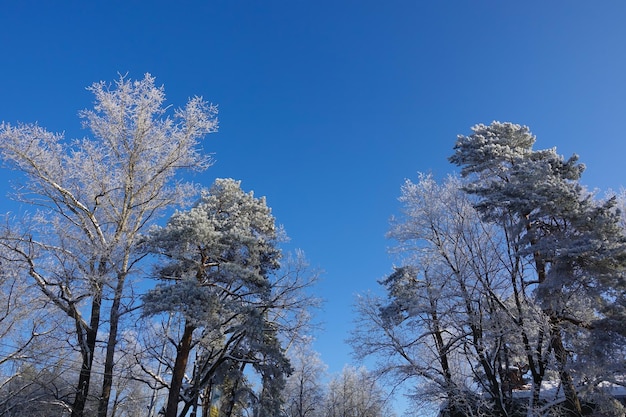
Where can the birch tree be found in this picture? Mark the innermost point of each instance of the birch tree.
(93, 198)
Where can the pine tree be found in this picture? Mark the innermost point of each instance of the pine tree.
(576, 243)
(217, 261)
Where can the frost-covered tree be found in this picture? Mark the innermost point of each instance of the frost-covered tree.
(218, 258)
(304, 392)
(93, 197)
(514, 268)
(356, 393)
(451, 314)
(575, 242)
(36, 392)
(26, 322)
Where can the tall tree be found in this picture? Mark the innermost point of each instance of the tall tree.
(218, 258)
(576, 243)
(514, 268)
(95, 196)
(217, 368)
(448, 319)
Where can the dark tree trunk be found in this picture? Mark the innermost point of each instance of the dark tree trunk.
(206, 401)
(182, 356)
(572, 402)
(107, 382)
(87, 342)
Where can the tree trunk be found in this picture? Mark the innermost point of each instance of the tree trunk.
(87, 345)
(572, 402)
(107, 382)
(491, 377)
(233, 398)
(178, 373)
(534, 355)
(206, 401)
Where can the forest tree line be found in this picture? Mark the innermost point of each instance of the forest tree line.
(509, 278)
(106, 311)
(509, 295)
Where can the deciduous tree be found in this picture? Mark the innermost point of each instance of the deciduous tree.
(448, 317)
(94, 197)
(356, 393)
(304, 392)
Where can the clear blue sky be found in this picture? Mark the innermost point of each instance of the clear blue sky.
(327, 106)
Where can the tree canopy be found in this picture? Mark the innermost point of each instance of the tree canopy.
(508, 297)
(509, 277)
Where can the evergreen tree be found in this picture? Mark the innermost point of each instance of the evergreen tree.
(576, 243)
(217, 262)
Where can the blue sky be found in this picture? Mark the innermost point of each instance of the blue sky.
(327, 106)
